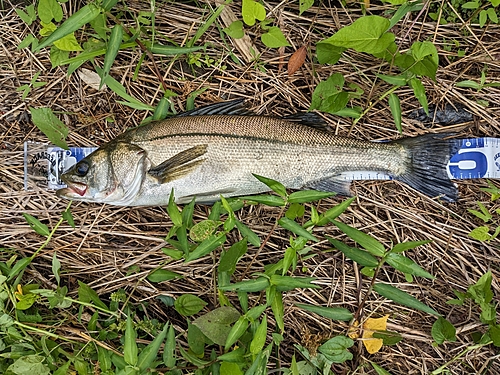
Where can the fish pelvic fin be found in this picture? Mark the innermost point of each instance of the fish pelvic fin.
(179, 165)
(428, 168)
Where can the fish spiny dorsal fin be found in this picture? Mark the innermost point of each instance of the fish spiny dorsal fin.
(233, 107)
(179, 165)
(308, 119)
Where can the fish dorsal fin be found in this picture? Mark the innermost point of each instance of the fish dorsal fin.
(179, 165)
(309, 119)
(233, 107)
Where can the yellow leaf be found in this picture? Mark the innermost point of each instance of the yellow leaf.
(370, 326)
(353, 332)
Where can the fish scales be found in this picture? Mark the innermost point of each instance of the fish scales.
(203, 156)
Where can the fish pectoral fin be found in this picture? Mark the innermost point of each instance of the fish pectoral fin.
(332, 184)
(310, 119)
(179, 165)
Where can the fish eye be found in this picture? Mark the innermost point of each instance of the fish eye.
(82, 168)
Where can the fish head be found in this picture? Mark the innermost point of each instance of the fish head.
(113, 173)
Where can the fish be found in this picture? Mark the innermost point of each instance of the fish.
(218, 149)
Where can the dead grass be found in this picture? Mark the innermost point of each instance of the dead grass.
(108, 241)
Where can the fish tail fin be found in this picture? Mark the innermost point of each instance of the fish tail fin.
(428, 169)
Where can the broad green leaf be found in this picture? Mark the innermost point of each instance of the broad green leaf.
(230, 257)
(230, 367)
(237, 330)
(25, 301)
(406, 265)
(296, 228)
(304, 5)
(402, 298)
(259, 338)
(395, 105)
(328, 54)
(68, 43)
(333, 313)
(64, 369)
(426, 59)
(50, 125)
(361, 257)
(469, 84)
(304, 196)
(26, 41)
(335, 349)
(169, 350)
(206, 247)
(57, 56)
(268, 200)
(248, 233)
(130, 349)
(379, 370)
(481, 291)
(150, 352)
(328, 95)
(404, 9)
(274, 38)
(275, 186)
(160, 275)
(172, 209)
(404, 246)
(366, 34)
(278, 311)
(216, 323)
(254, 285)
(29, 364)
(18, 267)
(49, 10)
(494, 332)
(162, 109)
(66, 215)
(481, 233)
(285, 283)
(235, 30)
(471, 5)
(56, 268)
(29, 16)
(189, 304)
(104, 358)
(36, 225)
(289, 259)
(73, 23)
(251, 11)
(393, 80)
(443, 330)
(203, 230)
(419, 91)
(373, 246)
(113, 46)
(334, 212)
(295, 210)
(87, 294)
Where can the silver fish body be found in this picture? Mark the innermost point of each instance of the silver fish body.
(205, 154)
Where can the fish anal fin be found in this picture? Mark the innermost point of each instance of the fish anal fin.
(179, 165)
(331, 184)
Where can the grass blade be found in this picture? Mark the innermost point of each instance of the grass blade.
(402, 298)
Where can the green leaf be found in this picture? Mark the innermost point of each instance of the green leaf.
(367, 34)
(235, 30)
(268, 200)
(87, 294)
(481, 233)
(56, 268)
(334, 212)
(36, 225)
(165, 50)
(278, 311)
(57, 56)
(274, 38)
(169, 349)
(400, 80)
(251, 11)
(328, 54)
(237, 330)
(29, 364)
(230, 367)
(203, 230)
(259, 338)
(328, 95)
(172, 209)
(150, 352)
(494, 332)
(395, 105)
(402, 298)
(216, 323)
(333, 313)
(406, 265)
(248, 233)
(443, 330)
(379, 370)
(335, 349)
(29, 16)
(481, 291)
(188, 304)
(373, 246)
(68, 43)
(469, 84)
(130, 349)
(296, 228)
(404, 246)
(285, 283)
(113, 47)
(419, 91)
(73, 23)
(359, 256)
(104, 358)
(26, 41)
(304, 196)
(66, 215)
(50, 125)
(160, 275)
(275, 186)
(230, 257)
(49, 10)
(255, 285)
(206, 247)
(304, 5)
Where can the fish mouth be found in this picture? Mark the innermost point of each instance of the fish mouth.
(74, 190)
